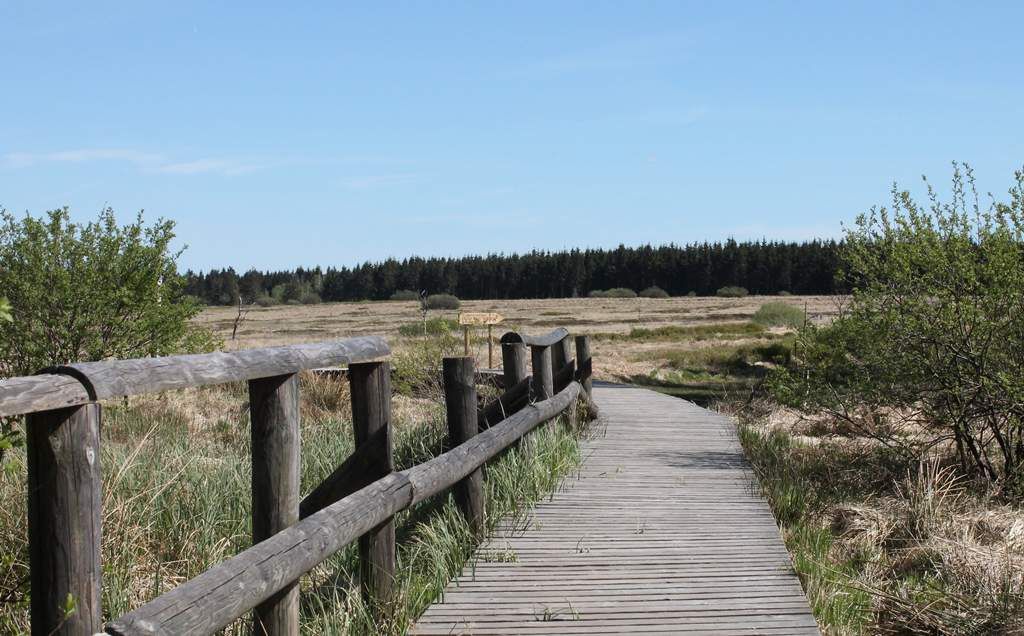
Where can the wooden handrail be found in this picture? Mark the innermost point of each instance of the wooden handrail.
(358, 500)
(34, 393)
(213, 599)
(546, 340)
(82, 382)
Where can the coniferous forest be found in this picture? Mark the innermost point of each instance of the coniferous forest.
(701, 268)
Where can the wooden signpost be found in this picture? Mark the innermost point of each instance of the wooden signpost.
(468, 319)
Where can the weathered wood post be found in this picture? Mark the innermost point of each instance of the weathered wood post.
(460, 403)
(513, 362)
(274, 416)
(584, 364)
(562, 352)
(64, 500)
(371, 418)
(543, 379)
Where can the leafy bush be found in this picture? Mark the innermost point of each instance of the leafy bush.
(405, 294)
(780, 315)
(932, 341)
(442, 301)
(266, 301)
(417, 367)
(732, 291)
(621, 292)
(784, 293)
(91, 291)
(310, 298)
(691, 294)
(433, 327)
(654, 292)
(615, 292)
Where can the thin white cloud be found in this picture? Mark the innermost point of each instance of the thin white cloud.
(374, 181)
(225, 167)
(615, 55)
(145, 161)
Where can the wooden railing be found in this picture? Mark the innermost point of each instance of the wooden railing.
(290, 536)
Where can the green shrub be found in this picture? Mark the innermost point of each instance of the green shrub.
(293, 301)
(621, 292)
(310, 298)
(784, 293)
(405, 294)
(442, 301)
(81, 292)
(780, 315)
(266, 301)
(732, 291)
(433, 327)
(691, 294)
(932, 337)
(654, 292)
(597, 293)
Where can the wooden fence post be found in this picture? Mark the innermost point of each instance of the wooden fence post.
(64, 500)
(584, 364)
(371, 418)
(564, 349)
(274, 418)
(543, 379)
(513, 362)
(460, 403)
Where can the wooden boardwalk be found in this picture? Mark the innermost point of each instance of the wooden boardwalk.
(662, 532)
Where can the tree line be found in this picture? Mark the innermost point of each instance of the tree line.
(762, 267)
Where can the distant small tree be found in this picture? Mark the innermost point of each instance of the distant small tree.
(442, 301)
(654, 292)
(732, 291)
(404, 294)
(91, 291)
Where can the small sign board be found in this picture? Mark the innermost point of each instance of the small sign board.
(480, 318)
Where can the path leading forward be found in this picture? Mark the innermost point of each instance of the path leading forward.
(662, 533)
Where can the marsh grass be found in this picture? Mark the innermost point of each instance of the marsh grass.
(884, 544)
(177, 473)
(713, 331)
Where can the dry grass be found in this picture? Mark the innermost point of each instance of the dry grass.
(885, 544)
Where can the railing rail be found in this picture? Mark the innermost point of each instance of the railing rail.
(357, 501)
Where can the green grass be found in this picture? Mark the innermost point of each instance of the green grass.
(788, 480)
(668, 333)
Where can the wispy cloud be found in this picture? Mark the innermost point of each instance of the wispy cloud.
(225, 167)
(145, 161)
(478, 220)
(620, 54)
(374, 181)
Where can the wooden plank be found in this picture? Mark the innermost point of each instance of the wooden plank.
(45, 392)
(370, 384)
(117, 378)
(64, 499)
(545, 340)
(543, 381)
(216, 597)
(460, 408)
(660, 532)
(274, 424)
(481, 318)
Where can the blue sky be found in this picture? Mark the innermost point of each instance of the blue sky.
(323, 133)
